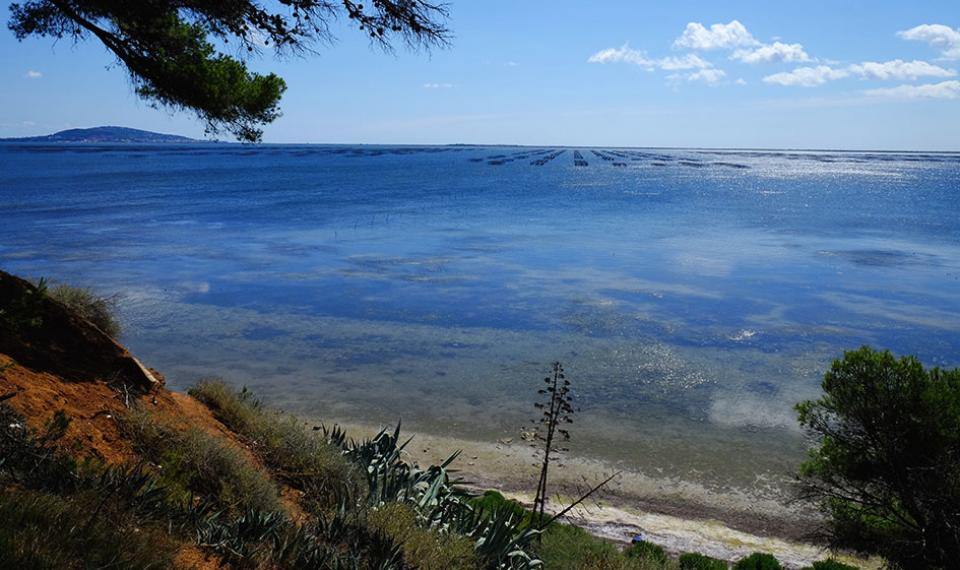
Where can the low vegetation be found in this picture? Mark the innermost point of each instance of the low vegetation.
(98, 309)
(191, 462)
(566, 547)
(695, 561)
(883, 469)
(299, 457)
(830, 565)
(61, 514)
(366, 477)
(22, 311)
(195, 489)
(423, 549)
(648, 551)
(758, 561)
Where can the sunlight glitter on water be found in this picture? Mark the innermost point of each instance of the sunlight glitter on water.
(693, 296)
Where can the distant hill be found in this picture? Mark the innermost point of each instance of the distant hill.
(105, 135)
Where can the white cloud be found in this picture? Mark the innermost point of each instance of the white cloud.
(735, 36)
(689, 61)
(702, 70)
(707, 75)
(942, 90)
(741, 81)
(939, 36)
(626, 54)
(623, 54)
(776, 51)
(899, 69)
(887, 70)
(806, 76)
(438, 85)
(32, 74)
(512, 64)
(719, 36)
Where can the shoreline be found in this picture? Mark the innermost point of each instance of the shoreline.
(688, 518)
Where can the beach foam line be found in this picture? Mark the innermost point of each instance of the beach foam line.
(636, 504)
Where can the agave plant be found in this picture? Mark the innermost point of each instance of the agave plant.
(338, 542)
(500, 536)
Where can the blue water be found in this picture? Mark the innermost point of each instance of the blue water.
(693, 296)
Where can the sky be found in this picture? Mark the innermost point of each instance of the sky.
(734, 74)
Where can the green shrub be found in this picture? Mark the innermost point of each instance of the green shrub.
(57, 513)
(644, 550)
(695, 561)
(758, 561)
(84, 302)
(42, 531)
(32, 459)
(193, 462)
(491, 501)
(884, 469)
(567, 547)
(304, 459)
(333, 470)
(830, 564)
(423, 549)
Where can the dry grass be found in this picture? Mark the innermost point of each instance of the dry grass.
(303, 458)
(423, 549)
(192, 462)
(99, 310)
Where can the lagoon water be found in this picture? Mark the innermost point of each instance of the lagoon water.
(693, 296)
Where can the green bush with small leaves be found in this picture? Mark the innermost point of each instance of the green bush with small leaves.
(830, 564)
(758, 561)
(696, 561)
(647, 551)
(192, 462)
(306, 459)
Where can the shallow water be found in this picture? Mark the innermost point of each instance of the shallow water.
(693, 296)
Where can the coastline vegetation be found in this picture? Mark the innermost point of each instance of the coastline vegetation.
(270, 492)
(886, 470)
(22, 312)
(98, 309)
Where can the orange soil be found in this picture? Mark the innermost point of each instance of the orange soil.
(65, 363)
(93, 407)
(193, 558)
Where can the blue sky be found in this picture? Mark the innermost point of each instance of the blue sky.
(828, 74)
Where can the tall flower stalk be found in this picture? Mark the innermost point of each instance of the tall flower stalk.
(556, 411)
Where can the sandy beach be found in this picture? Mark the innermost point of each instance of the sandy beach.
(680, 516)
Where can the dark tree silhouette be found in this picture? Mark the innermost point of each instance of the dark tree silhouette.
(169, 47)
(886, 469)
